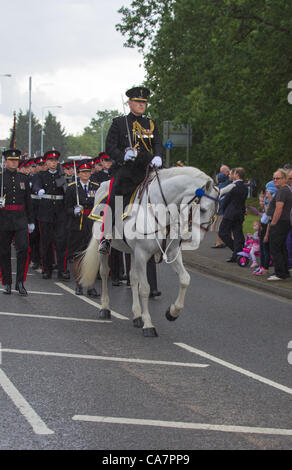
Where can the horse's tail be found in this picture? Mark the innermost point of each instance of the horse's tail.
(89, 265)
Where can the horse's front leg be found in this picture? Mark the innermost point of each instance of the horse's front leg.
(136, 307)
(144, 289)
(175, 309)
(105, 312)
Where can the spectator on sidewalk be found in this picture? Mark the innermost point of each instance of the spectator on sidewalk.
(233, 215)
(222, 181)
(254, 243)
(289, 237)
(279, 226)
(265, 256)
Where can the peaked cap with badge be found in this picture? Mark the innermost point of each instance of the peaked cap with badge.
(138, 94)
(12, 154)
(51, 154)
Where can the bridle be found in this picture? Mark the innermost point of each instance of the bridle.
(199, 193)
(195, 200)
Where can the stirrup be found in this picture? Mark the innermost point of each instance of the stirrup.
(104, 247)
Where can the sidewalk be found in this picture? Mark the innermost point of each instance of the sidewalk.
(213, 261)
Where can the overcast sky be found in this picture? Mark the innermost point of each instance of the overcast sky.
(74, 55)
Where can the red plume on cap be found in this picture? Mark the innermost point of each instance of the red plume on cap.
(84, 165)
(52, 154)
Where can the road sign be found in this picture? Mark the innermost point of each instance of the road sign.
(168, 144)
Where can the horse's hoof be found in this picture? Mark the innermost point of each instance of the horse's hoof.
(104, 314)
(149, 332)
(138, 322)
(169, 316)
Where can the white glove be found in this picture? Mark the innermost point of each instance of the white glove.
(77, 210)
(130, 154)
(156, 162)
(41, 192)
(31, 228)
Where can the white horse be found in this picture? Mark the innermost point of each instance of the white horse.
(149, 230)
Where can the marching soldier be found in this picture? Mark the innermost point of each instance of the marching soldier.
(79, 202)
(98, 176)
(34, 238)
(16, 220)
(69, 171)
(49, 186)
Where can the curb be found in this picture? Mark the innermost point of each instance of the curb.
(286, 293)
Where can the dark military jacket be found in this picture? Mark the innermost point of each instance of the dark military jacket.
(118, 140)
(131, 173)
(86, 200)
(18, 212)
(50, 209)
(100, 176)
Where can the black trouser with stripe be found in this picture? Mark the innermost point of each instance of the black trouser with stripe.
(22, 255)
(53, 233)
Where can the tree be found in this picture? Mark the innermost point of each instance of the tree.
(223, 66)
(54, 135)
(22, 131)
(89, 143)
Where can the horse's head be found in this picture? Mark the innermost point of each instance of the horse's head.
(190, 188)
(207, 196)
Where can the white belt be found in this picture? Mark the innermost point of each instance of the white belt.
(34, 196)
(53, 197)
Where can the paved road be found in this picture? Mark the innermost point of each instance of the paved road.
(217, 378)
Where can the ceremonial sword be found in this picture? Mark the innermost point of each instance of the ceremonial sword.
(128, 131)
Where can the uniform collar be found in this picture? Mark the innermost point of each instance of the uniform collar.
(135, 118)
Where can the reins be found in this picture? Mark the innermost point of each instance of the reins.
(199, 193)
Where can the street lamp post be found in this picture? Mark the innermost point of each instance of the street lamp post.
(29, 118)
(42, 131)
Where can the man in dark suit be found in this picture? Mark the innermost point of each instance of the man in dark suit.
(233, 207)
(16, 221)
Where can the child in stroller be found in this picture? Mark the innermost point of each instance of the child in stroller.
(251, 248)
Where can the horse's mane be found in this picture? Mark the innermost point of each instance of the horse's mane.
(179, 171)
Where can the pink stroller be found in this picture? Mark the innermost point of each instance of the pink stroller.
(244, 256)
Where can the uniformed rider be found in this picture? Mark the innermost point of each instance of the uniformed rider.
(133, 143)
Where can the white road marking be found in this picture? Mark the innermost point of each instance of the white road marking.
(24, 407)
(183, 425)
(37, 292)
(259, 378)
(103, 358)
(51, 317)
(89, 301)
